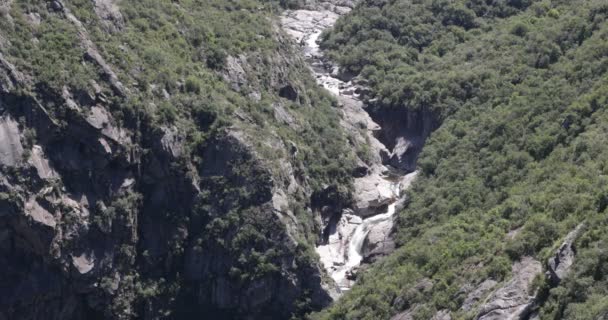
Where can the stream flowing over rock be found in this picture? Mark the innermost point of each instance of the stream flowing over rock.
(362, 232)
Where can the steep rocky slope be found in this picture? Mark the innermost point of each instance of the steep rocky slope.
(156, 164)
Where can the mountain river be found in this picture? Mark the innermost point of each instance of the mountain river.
(344, 250)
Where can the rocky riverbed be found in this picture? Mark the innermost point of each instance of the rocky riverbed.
(361, 233)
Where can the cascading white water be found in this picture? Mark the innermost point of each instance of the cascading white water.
(355, 244)
(344, 250)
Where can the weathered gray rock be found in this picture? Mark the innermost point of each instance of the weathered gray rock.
(33, 18)
(234, 73)
(84, 263)
(39, 214)
(283, 116)
(91, 49)
(172, 142)
(333, 253)
(378, 242)
(372, 194)
(559, 265)
(442, 315)
(513, 299)
(11, 150)
(109, 15)
(41, 163)
(100, 119)
(406, 315)
(478, 294)
(10, 77)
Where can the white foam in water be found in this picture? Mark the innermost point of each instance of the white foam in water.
(344, 249)
(355, 245)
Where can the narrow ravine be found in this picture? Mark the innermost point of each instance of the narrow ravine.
(379, 192)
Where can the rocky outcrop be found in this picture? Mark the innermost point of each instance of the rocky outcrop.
(10, 77)
(378, 242)
(235, 73)
(109, 15)
(559, 265)
(478, 294)
(288, 92)
(442, 315)
(11, 150)
(373, 194)
(514, 299)
(333, 252)
(92, 53)
(404, 132)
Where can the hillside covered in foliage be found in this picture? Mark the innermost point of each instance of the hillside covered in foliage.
(160, 159)
(519, 161)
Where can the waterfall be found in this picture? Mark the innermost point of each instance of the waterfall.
(344, 251)
(357, 239)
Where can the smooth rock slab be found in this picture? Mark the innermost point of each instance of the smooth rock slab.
(372, 194)
(513, 300)
(11, 150)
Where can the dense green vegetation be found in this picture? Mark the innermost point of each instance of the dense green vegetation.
(521, 89)
(174, 60)
(173, 56)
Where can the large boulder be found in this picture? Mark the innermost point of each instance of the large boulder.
(378, 242)
(372, 195)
